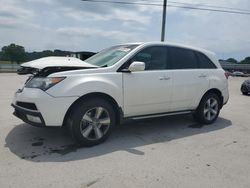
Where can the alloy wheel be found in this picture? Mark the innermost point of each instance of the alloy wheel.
(211, 109)
(95, 123)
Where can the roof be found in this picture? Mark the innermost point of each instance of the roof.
(171, 44)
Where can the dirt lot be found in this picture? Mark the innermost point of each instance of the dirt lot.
(163, 152)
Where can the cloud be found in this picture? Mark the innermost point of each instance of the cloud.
(219, 32)
(78, 25)
(13, 9)
(84, 33)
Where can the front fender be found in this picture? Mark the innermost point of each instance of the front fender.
(77, 86)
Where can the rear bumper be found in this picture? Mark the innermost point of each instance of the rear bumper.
(225, 95)
(23, 114)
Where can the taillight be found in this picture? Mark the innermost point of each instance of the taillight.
(227, 74)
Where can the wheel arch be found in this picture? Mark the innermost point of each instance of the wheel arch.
(111, 100)
(217, 92)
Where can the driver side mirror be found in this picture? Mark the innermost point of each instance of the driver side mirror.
(136, 66)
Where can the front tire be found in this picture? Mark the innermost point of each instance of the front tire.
(208, 109)
(244, 90)
(91, 122)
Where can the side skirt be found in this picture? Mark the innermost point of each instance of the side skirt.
(159, 115)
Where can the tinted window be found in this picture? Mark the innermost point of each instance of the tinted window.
(181, 58)
(204, 62)
(155, 58)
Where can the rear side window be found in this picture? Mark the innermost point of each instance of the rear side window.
(204, 62)
(181, 58)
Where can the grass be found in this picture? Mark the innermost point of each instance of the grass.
(8, 71)
(5, 62)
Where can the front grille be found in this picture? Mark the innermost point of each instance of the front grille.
(27, 105)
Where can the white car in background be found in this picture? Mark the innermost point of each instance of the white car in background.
(136, 80)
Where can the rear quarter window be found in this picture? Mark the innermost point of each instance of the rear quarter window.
(204, 61)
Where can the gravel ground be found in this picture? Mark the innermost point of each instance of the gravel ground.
(162, 152)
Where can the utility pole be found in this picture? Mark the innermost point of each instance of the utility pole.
(163, 20)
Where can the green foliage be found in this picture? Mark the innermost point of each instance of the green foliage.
(36, 55)
(17, 54)
(232, 60)
(13, 53)
(246, 60)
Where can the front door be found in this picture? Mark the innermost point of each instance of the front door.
(148, 91)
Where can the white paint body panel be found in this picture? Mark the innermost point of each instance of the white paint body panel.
(81, 84)
(56, 61)
(53, 109)
(149, 92)
(188, 88)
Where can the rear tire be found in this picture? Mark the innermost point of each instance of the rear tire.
(91, 122)
(208, 109)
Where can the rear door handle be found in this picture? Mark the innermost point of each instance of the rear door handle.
(164, 78)
(202, 76)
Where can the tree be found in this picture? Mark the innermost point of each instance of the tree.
(232, 60)
(14, 53)
(246, 60)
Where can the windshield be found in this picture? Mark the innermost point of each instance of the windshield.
(110, 56)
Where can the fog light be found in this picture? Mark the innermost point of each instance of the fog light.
(34, 119)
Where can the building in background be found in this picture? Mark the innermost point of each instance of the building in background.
(232, 67)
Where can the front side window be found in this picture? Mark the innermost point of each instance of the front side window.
(110, 56)
(181, 58)
(155, 57)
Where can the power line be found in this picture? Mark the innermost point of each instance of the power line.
(209, 9)
(187, 6)
(201, 5)
(209, 5)
(122, 2)
(176, 4)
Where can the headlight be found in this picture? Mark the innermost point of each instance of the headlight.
(43, 83)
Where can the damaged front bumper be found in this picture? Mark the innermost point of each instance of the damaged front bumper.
(38, 108)
(31, 117)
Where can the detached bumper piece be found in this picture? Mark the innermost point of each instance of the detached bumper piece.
(32, 117)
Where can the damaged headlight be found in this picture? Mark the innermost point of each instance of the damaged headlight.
(43, 83)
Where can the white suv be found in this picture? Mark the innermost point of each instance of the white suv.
(136, 80)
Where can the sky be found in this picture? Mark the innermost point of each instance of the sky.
(83, 26)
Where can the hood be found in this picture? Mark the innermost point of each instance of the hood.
(48, 65)
(56, 62)
(247, 81)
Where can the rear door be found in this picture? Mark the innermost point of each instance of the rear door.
(149, 91)
(189, 81)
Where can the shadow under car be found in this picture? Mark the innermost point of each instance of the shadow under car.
(55, 145)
